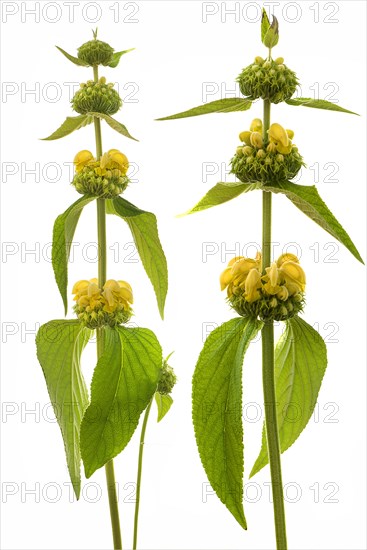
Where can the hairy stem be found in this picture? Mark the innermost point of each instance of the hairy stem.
(271, 422)
(102, 271)
(140, 467)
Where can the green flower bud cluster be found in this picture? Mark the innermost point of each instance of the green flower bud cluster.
(268, 79)
(108, 186)
(95, 52)
(265, 164)
(98, 318)
(97, 97)
(167, 380)
(268, 308)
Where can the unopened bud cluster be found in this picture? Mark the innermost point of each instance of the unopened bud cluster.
(268, 79)
(278, 295)
(167, 380)
(96, 97)
(95, 52)
(97, 307)
(268, 161)
(105, 178)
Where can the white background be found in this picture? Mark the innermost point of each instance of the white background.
(178, 56)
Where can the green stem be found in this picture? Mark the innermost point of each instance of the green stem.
(102, 273)
(113, 502)
(140, 466)
(271, 421)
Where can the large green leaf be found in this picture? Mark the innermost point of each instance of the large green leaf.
(59, 347)
(164, 403)
(217, 410)
(143, 226)
(124, 381)
(71, 124)
(307, 199)
(116, 57)
(300, 363)
(73, 59)
(114, 124)
(226, 105)
(63, 233)
(220, 193)
(318, 104)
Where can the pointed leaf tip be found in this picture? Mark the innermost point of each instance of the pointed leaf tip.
(270, 36)
(307, 199)
(226, 105)
(71, 58)
(318, 104)
(114, 124)
(144, 229)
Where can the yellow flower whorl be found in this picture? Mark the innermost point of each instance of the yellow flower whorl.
(105, 178)
(277, 295)
(268, 161)
(96, 307)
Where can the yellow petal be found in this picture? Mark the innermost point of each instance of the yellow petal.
(112, 284)
(125, 284)
(79, 285)
(287, 257)
(256, 125)
(282, 294)
(99, 171)
(252, 285)
(120, 159)
(284, 149)
(241, 269)
(126, 291)
(83, 157)
(234, 260)
(277, 134)
(126, 295)
(245, 137)
(290, 133)
(108, 295)
(256, 139)
(273, 274)
(293, 275)
(271, 148)
(225, 278)
(104, 161)
(270, 289)
(93, 289)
